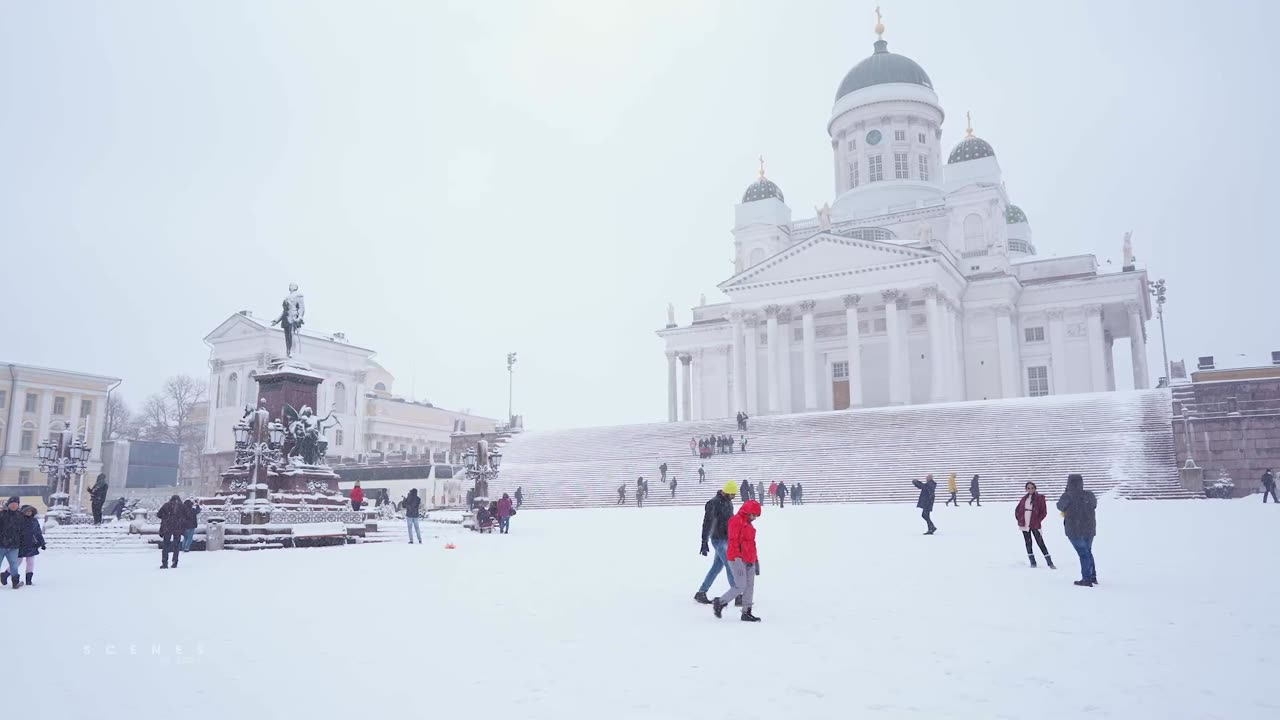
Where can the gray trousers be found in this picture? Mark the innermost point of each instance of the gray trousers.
(744, 583)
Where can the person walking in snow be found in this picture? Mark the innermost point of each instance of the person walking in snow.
(12, 526)
(693, 446)
(925, 503)
(504, 515)
(190, 521)
(622, 494)
(773, 493)
(1079, 519)
(519, 496)
(1269, 486)
(32, 541)
(759, 492)
(782, 494)
(797, 497)
(663, 469)
(640, 492)
(744, 561)
(1029, 513)
(357, 497)
(951, 488)
(715, 535)
(673, 486)
(974, 494)
(98, 496)
(118, 508)
(744, 443)
(172, 522)
(702, 474)
(413, 515)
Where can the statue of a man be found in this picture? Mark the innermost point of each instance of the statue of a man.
(293, 311)
(671, 314)
(1128, 248)
(824, 216)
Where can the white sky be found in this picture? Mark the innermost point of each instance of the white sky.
(449, 181)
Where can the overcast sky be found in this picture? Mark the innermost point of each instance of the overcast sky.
(450, 181)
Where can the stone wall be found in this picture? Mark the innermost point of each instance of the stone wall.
(1231, 425)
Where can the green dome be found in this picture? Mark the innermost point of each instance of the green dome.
(1013, 214)
(881, 68)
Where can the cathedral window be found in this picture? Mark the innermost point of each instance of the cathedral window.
(921, 138)
(839, 370)
(900, 166)
(900, 135)
(337, 438)
(881, 325)
(1034, 334)
(1038, 381)
(975, 235)
(853, 174)
(875, 168)
(340, 398)
(924, 167)
(233, 389)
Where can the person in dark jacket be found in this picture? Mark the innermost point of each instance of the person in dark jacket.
(504, 515)
(974, 495)
(98, 496)
(1269, 486)
(172, 521)
(191, 521)
(1079, 519)
(759, 491)
(118, 508)
(412, 514)
(702, 474)
(797, 497)
(673, 486)
(519, 496)
(640, 492)
(715, 535)
(744, 561)
(744, 443)
(12, 526)
(925, 503)
(782, 494)
(32, 541)
(622, 494)
(1030, 512)
(663, 469)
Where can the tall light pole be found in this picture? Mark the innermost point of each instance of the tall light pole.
(511, 374)
(1158, 291)
(61, 459)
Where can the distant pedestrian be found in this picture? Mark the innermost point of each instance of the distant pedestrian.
(1079, 519)
(744, 443)
(190, 521)
(759, 492)
(744, 561)
(413, 515)
(98, 496)
(773, 493)
(693, 446)
(663, 469)
(951, 488)
(782, 494)
(118, 508)
(1269, 486)
(172, 522)
(622, 494)
(798, 497)
(702, 474)
(519, 497)
(504, 515)
(715, 531)
(925, 502)
(357, 497)
(975, 496)
(640, 493)
(1029, 513)
(32, 541)
(12, 526)
(673, 486)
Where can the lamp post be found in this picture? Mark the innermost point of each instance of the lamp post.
(1158, 291)
(257, 452)
(511, 363)
(60, 460)
(480, 475)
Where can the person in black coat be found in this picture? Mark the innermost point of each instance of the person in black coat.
(98, 496)
(715, 534)
(412, 515)
(925, 503)
(782, 494)
(118, 508)
(191, 521)
(974, 495)
(1269, 486)
(173, 519)
(12, 527)
(1080, 521)
(519, 496)
(32, 541)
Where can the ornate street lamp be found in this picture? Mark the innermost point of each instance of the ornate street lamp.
(1159, 291)
(257, 456)
(61, 460)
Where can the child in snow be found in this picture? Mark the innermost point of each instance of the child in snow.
(1031, 510)
(744, 563)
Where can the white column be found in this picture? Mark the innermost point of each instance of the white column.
(686, 387)
(1110, 342)
(1137, 345)
(1058, 349)
(897, 353)
(937, 346)
(732, 378)
(697, 383)
(16, 407)
(752, 389)
(1010, 368)
(46, 415)
(772, 364)
(1097, 349)
(785, 334)
(810, 359)
(671, 387)
(854, 349)
(738, 400)
(959, 385)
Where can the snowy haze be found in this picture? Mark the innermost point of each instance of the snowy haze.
(448, 182)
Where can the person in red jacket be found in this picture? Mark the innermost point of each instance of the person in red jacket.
(1031, 511)
(773, 493)
(743, 561)
(504, 514)
(357, 496)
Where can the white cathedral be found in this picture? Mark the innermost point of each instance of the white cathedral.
(918, 284)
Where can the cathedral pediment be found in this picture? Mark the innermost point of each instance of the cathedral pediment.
(823, 254)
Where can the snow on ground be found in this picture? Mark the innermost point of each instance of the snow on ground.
(588, 614)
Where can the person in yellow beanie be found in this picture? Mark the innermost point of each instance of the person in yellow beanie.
(951, 488)
(715, 534)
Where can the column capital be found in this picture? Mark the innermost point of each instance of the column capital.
(1133, 307)
(672, 355)
(930, 291)
(215, 365)
(807, 306)
(890, 296)
(771, 311)
(750, 319)
(851, 300)
(903, 302)
(784, 315)
(1093, 311)
(685, 359)
(735, 316)
(1055, 314)
(1003, 311)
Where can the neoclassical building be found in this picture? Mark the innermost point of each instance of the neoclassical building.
(918, 283)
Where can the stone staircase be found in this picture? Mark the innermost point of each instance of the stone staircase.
(110, 537)
(1120, 442)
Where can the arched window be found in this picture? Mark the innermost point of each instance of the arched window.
(975, 236)
(757, 256)
(251, 389)
(380, 387)
(340, 397)
(231, 397)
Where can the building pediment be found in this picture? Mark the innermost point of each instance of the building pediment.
(824, 254)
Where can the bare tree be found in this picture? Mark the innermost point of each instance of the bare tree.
(170, 414)
(120, 422)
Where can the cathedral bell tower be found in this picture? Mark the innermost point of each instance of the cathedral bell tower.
(762, 223)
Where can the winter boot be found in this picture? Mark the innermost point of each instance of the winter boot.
(737, 602)
(1032, 558)
(1048, 560)
(701, 598)
(717, 606)
(748, 617)
(16, 582)
(4, 578)
(29, 578)
(1083, 583)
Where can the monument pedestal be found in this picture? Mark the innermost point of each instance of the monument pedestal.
(288, 384)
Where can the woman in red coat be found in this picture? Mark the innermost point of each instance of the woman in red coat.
(743, 562)
(1031, 511)
(357, 496)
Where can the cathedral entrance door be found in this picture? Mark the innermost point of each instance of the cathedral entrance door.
(840, 394)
